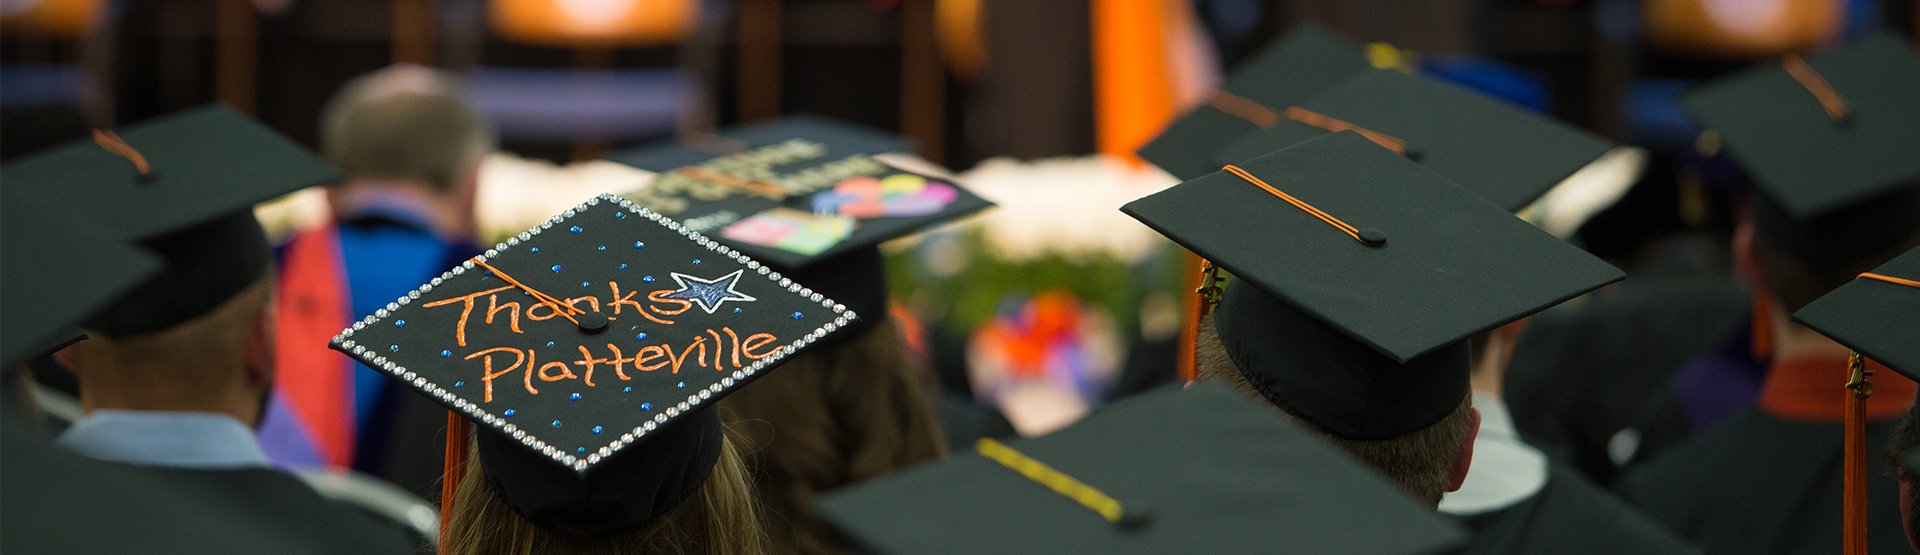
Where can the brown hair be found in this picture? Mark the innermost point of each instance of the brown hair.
(1795, 283)
(406, 122)
(830, 417)
(1420, 461)
(718, 519)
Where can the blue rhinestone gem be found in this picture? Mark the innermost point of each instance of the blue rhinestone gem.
(683, 384)
(458, 384)
(696, 261)
(549, 343)
(619, 214)
(796, 316)
(596, 429)
(556, 423)
(393, 347)
(623, 266)
(736, 311)
(399, 323)
(575, 396)
(535, 249)
(508, 413)
(575, 229)
(646, 406)
(603, 247)
(648, 279)
(628, 390)
(639, 244)
(445, 354)
(556, 267)
(579, 449)
(584, 284)
(642, 336)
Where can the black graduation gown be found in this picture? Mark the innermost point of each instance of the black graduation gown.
(1580, 375)
(1570, 516)
(52, 501)
(1760, 485)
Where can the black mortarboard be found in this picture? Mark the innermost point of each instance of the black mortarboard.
(592, 432)
(183, 185)
(1502, 152)
(1203, 470)
(1366, 342)
(827, 235)
(797, 190)
(1834, 186)
(1878, 315)
(1309, 58)
(56, 273)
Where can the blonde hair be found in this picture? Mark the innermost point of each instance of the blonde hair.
(831, 417)
(193, 358)
(404, 122)
(1421, 461)
(718, 519)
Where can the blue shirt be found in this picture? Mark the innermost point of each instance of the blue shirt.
(165, 438)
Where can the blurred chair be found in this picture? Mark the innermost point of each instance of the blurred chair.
(593, 103)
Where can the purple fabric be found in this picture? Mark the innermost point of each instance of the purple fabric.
(286, 442)
(1720, 382)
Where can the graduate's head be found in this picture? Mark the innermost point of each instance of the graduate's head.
(1358, 277)
(587, 353)
(1828, 144)
(718, 517)
(1427, 461)
(406, 123)
(182, 186)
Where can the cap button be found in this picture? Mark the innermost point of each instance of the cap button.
(593, 323)
(1135, 517)
(1373, 236)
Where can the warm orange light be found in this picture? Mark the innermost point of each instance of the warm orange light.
(1740, 29)
(594, 23)
(59, 19)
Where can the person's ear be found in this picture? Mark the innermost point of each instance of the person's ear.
(260, 347)
(1464, 459)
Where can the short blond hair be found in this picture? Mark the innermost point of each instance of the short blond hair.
(1421, 461)
(404, 122)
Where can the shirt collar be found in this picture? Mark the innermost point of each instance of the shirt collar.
(1505, 470)
(172, 439)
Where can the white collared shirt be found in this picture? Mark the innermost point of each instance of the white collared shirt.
(171, 439)
(1505, 470)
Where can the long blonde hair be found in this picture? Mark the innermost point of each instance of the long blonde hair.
(718, 519)
(830, 417)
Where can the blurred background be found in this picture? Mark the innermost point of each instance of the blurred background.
(1049, 305)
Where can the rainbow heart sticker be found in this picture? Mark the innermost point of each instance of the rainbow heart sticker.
(898, 195)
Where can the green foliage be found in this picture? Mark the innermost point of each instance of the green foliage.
(974, 294)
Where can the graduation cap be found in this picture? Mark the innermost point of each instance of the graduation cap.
(796, 190)
(1876, 314)
(183, 185)
(1830, 142)
(1202, 470)
(589, 348)
(1309, 58)
(1502, 152)
(1352, 306)
(57, 273)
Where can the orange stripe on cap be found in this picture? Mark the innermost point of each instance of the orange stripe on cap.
(1323, 121)
(1370, 237)
(1822, 91)
(112, 143)
(1890, 279)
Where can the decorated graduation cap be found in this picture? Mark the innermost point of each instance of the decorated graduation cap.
(1877, 314)
(1309, 58)
(1203, 470)
(1829, 141)
(589, 348)
(57, 273)
(812, 196)
(1360, 275)
(796, 191)
(183, 186)
(1502, 152)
